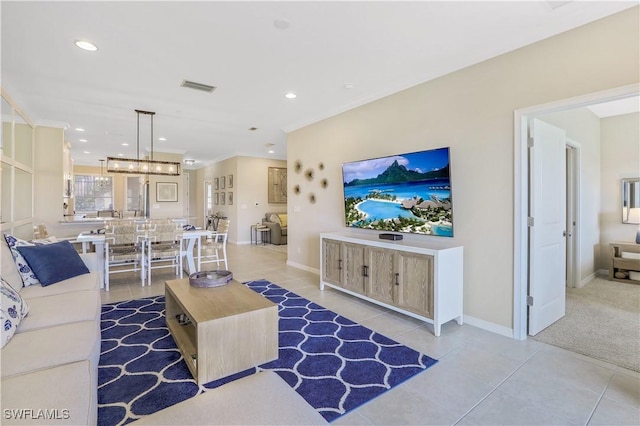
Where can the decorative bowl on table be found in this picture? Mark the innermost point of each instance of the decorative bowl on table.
(215, 278)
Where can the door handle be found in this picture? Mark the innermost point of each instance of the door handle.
(397, 278)
(365, 271)
(339, 263)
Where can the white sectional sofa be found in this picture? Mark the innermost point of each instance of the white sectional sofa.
(49, 368)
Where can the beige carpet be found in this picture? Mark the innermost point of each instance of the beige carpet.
(602, 321)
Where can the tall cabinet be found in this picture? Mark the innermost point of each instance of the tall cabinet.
(422, 280)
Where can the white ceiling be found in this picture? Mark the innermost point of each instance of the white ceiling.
(146, 49)
(617, 107)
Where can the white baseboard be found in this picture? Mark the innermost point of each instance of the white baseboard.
(303, 267)
(604, 272)
(489, 326)
(588, 278)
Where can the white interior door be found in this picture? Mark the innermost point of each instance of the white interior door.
(547, 236)
(208, 203)
(186, 211)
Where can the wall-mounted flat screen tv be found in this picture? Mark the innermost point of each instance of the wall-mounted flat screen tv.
(409, 193)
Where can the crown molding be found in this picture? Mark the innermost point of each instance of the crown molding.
(53, 123)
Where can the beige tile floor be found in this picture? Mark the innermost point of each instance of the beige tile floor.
(481, 378)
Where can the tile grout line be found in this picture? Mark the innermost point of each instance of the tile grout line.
(496, 387)
(415, 392)
(595, 407)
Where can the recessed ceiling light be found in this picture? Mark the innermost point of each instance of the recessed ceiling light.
(290, 95)
(190, 162)
(86, 152)
(124, 144)
(271, 151)
(82, 140)
(253, 129)
(162, 139)
(348, 86)
(86, 45)
(78, 129)
(120, 155)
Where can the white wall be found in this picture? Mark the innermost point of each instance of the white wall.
(252, 200)
(583, 127)
(165, 209)
(218, 171)
(190, 209)
(472, 112)
(620, 158)
(48, 175)
(249, 193)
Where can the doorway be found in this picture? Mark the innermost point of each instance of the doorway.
(573, 171)
(208, 204)
(554, 228)
(522, 255)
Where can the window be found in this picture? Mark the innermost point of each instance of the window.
(134, 194)
(93, 193)
(208, 199)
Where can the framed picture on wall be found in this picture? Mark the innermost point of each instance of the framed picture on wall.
(222, 198)
(166, 191)
(230, 198)
(277, 185)
(215, 198)
(222, 182)
(215, 184)
(230, 181)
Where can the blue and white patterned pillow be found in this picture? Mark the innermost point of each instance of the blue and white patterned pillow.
(12, 309)
(28, 277)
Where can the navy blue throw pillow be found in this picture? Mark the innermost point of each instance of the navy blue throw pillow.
(53, 263)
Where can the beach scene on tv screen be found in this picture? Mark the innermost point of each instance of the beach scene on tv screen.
(408, 193)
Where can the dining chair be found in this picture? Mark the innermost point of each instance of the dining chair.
(123, 252)
(163, 246)
(214, 247)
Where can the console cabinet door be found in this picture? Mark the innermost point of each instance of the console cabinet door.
(414, 283)
(332, 259)
(353, 267)
(380, 274)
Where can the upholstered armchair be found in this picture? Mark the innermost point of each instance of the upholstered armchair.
(277, 224)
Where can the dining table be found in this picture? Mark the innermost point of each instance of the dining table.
(190, 243)
(97, 240)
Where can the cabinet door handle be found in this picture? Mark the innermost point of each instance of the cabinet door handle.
(365, 270)
(397, 278)
(339, 263)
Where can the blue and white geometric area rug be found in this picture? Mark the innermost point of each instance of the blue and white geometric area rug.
(334, 363)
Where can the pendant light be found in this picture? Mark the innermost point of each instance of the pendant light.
(143, 166)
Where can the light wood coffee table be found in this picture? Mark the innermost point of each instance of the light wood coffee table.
(221, 330)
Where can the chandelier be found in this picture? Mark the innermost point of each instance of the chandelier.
(143, 166)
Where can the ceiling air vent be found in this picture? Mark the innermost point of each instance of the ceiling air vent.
(197, 86)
